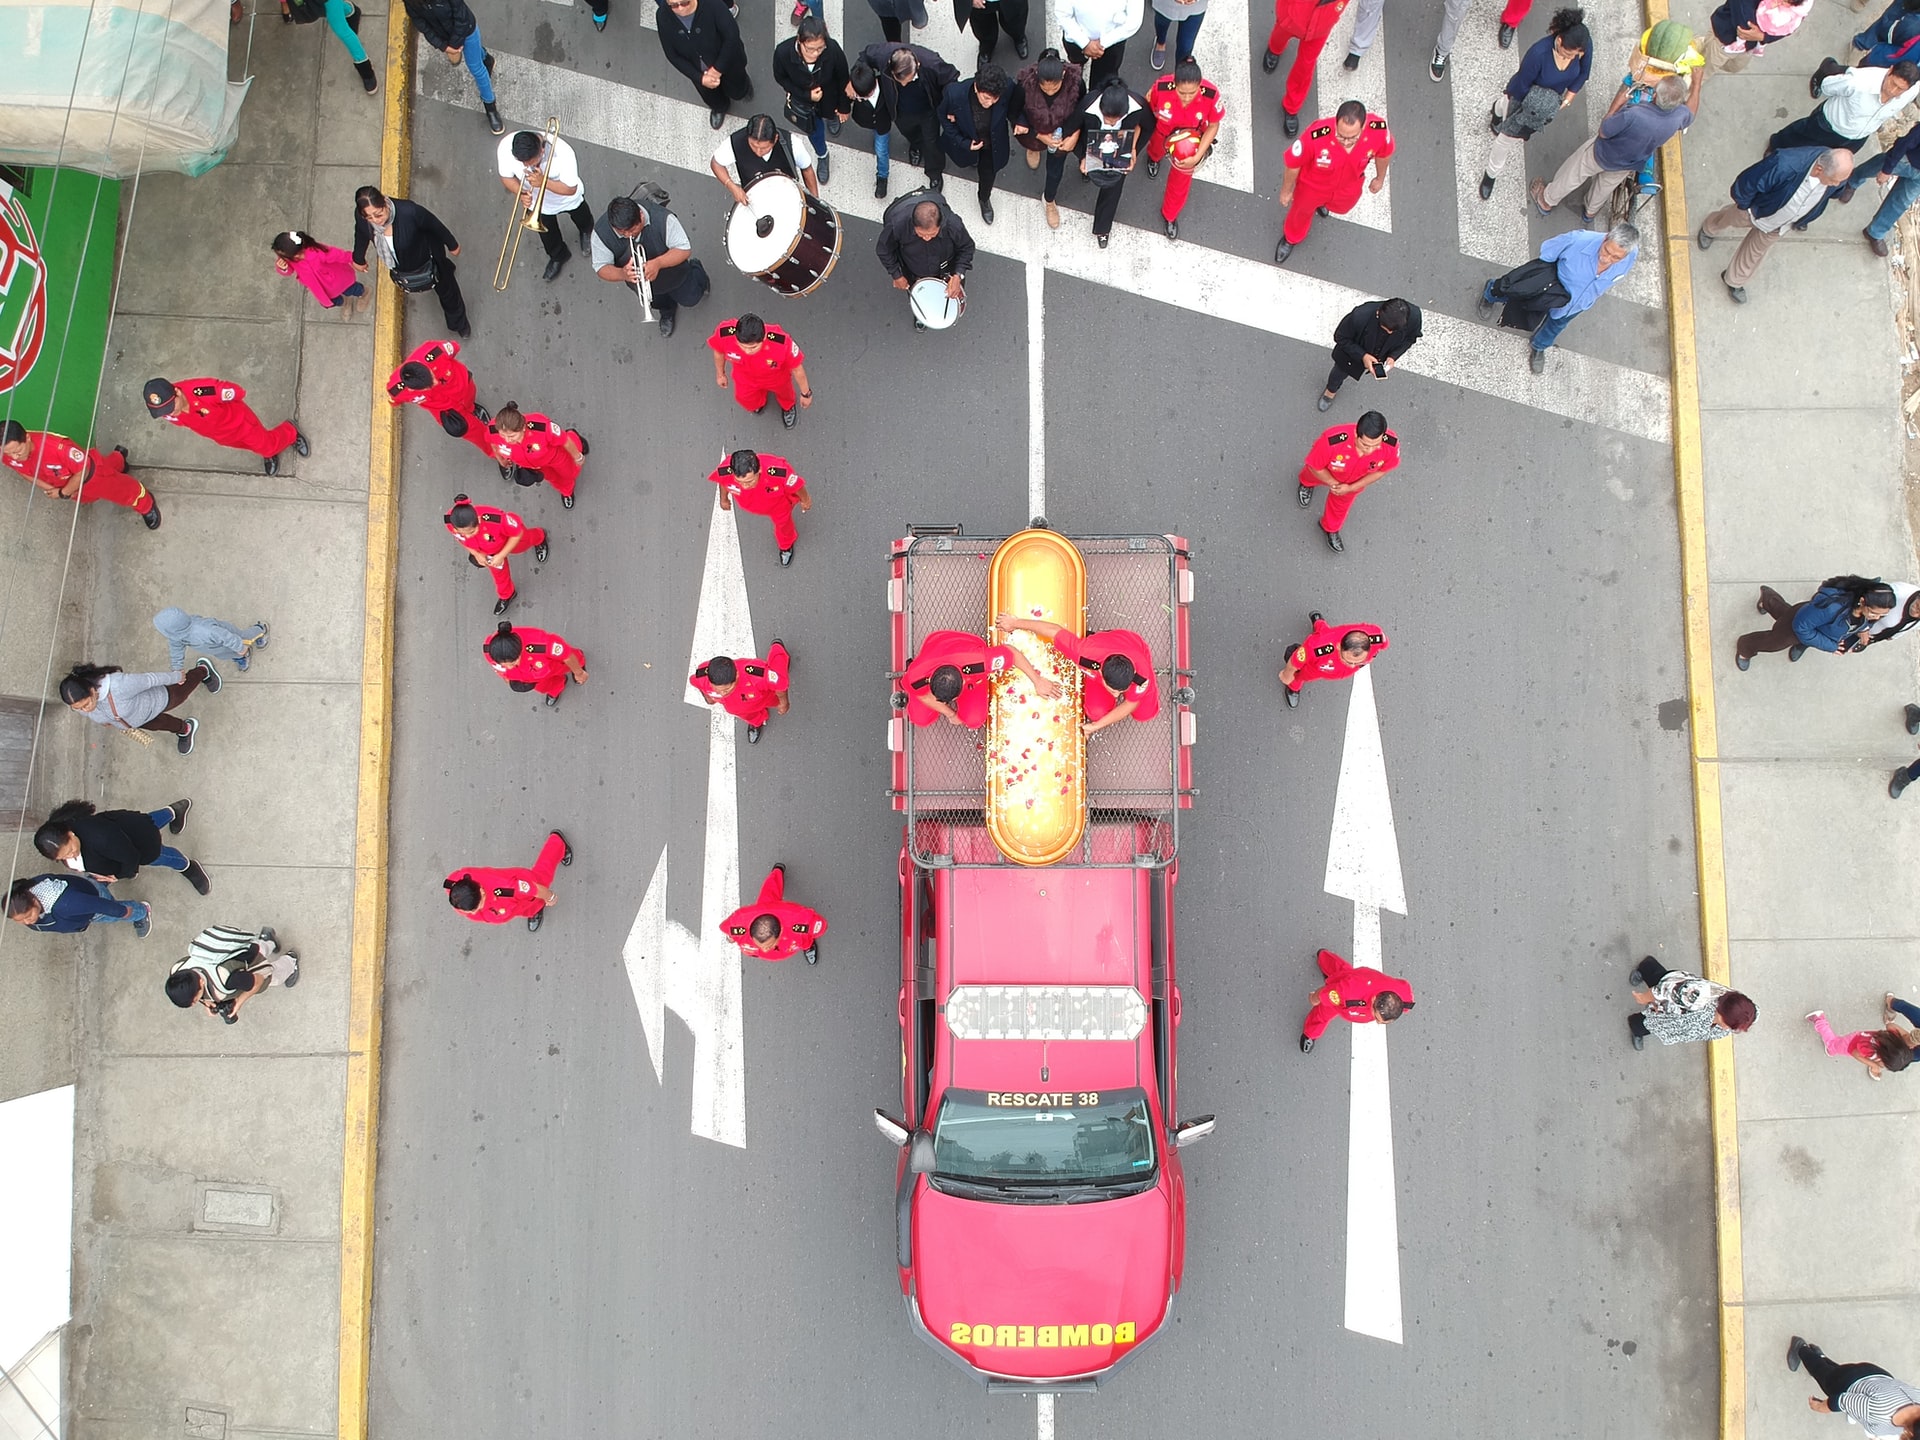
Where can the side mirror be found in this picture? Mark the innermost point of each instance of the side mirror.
(920, 1153)
(1188, 1131)
(891, 1128)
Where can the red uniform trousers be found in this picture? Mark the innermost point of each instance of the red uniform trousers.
(1179, 182)
(234, 424)
(1334, 513)
(498, 909)
(1348, 993)
(1310, 24)
(777, 508)
(1515, 12)
(111, 482)
(752, 395)
(561, 469)
(503, 577)
(1308, 198)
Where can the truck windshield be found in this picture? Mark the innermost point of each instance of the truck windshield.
(1070, 1138)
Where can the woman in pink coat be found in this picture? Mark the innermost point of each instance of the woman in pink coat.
(327, 272)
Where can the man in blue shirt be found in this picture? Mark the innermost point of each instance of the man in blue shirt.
(1588, 264)
(1624, 142)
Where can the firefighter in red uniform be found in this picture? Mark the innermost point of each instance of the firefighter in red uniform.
(764, 485)
(1326, 168)
(529, 659)
(1310, 22)
(530, 448)
(772, 928)
(1330, 652)
(766, 360)
(493, 897)
(491, 536)
(748, 689)
(1353, 992)
(443, 387)
(1187, 112)
(953, 676)
(1346, 460)
(1117, 681)
(67, 471)
(218, 410)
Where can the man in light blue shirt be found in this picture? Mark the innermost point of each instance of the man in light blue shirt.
(1588, 263)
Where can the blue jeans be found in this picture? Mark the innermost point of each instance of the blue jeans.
(475, 54)
(1901, 194)
(1548, 330)
(1907, 1011)
(1189, 32)
(881, 150)
(170, 858)
(818, 135)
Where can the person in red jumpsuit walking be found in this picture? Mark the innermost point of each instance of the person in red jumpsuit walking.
(493, 897)
(764, 485)
(748, 689)
(1357, 993)
(766, 360)
(218, 410)
(773, 927)
(1117, 668)
(1326, 168)
(953, 676)
(491, 537)
(1330, 652)
(529, 659)
(1309, 22)
(1346, 460)
(443, 387)
(67, 471)
(1187, 111)
(530, 448)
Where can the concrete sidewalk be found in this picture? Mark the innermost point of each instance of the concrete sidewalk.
(208, 1162)
(1803, 460)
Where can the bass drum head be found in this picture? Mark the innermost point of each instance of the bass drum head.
(932, 306)
(773, 197)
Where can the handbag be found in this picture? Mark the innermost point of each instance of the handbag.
(801, 115)
(422, 277)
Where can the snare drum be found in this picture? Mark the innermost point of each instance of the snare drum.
(932, 306)
(801, 239)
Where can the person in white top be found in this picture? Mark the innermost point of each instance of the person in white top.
(1096, 31)
(1854, 104)
(526, 156)
(758, 148)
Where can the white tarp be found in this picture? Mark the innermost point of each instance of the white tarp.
(116, 88)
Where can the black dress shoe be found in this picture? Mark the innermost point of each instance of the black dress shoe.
(1536, 360)
(533, 922)
(786, 557)
(1352, 62)
(986, 211)
(566, 855)
(1506, 37)
(1020, 48)
(1103, 240)
(1293, 697)
(789, 418)
(197, 877)
(913, 155)
(1897, 783)
(1794, 1345)
(179, 808)
(1913, 719)
(1269, 62)
(271, 464)
(1314, 617)
(500, 606)
(553, 702)
(300, 445)
(1486, 187)
(1794, 652)
(1334, 542)
(1639, 1040)
(1305, 496)
(1324, 403)
(716, 118)
(1322, 211)
(554, 267)
(1282, 251)
(1289, 122)
(667, 320)
(152, 518)
(753, 734)
(540, 552)
(1173, 229)
(1153, 169)
(566, 502)
(880, 187)
(812, 952)
(1306, 1045)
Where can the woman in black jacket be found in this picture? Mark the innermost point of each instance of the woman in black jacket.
(113, 844)
(415, 246)
(975, 119)
(812, 69)
(450, 27)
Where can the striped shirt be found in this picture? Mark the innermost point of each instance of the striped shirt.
(222, 954)
(1872, 1400)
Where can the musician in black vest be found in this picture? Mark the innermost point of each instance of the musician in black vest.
(758, 148)
(701, 40)
(665, 252)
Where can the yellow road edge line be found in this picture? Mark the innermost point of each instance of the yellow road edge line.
(370, 822)
(1709, 840)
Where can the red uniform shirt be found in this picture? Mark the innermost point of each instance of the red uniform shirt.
(757, 684)
(799, 928)
(1088, 654)
(1338, 454)
(775, 491)
(978, 662)
(1352, 992)
(203, 404)
(779, 355)
(1329, 169)
(1318, 656)
(504, 894)
(452, 387)
(1172, 114)
(542, 657)
(541, 444)
(51, 459)
(497, 528)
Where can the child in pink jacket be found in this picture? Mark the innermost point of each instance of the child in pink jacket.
(1878, 1050)
(327, 272)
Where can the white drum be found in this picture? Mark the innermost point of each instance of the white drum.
(932, 306)
(783, 237)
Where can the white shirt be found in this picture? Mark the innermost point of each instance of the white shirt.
(676, 240)
(565, 169)
(1853, 105)
(801, 146)
(1804, 199)
(1109, 22)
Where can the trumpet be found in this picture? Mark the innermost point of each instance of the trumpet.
(518, 225)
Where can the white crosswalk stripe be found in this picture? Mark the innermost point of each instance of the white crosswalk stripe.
(1226, 58)
(1493, 229)
(1334, 84)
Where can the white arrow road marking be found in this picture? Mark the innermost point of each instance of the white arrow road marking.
(1036, 389)
(1254, 293)
(1363, 865)
(670, 968)
(1046, 1417)
(1225, 52)
(1334, 83)
(1493, 229)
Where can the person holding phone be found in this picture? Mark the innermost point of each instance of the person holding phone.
(1370, 341)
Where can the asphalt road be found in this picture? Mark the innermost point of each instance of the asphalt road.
(558, 1255)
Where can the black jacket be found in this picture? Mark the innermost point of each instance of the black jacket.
(446, 24)
(792, 75)
(116, 842)
(957, 132)
(935, 74)
(903, 252)
(1360, 335)
(418, 236)
(714, 39)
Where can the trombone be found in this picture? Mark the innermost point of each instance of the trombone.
(516, 227)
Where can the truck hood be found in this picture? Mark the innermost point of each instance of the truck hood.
(1041, 1292)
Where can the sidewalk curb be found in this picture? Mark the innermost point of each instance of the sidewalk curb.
(1704, 738)
(370, 822)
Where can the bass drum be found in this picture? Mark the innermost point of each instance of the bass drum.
(783, 237)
